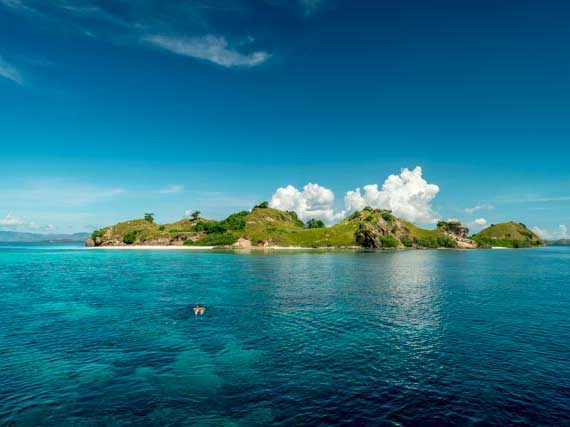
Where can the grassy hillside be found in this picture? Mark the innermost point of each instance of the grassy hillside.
(508, 235)
(279, 228)
(264, 226)
(141, 231)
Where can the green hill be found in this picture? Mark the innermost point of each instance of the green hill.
(264, 226)
(508, 235)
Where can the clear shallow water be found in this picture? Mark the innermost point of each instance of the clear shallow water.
(303, 338)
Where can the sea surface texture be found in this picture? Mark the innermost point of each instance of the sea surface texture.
(404, 338)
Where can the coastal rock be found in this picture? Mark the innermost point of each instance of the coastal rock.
(383, 232)
(90, 243)
(458, 232)
(160, 241)
(464, 243)
(264, 244)
(242, 244)
(453, 228)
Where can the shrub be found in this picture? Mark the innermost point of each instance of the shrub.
(505, 243)
(210, 227)
(214, 239)
(407, 241)
(235, 221)
(435, 242)
(262, 205)
(161, 228)
(97, 233)
(354, 215)
(315, 223)
(368, 209)
(427, 242)
(130, 237)
(149, 217)
(387, 216)
(389, 242)
(296, 219)
(446, 242)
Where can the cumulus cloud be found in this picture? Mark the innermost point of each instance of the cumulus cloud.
(542, 233)
(14, 222)
(478, 208)
(480, 221)
(563, 230)
(313, 202)
(408, 195)
(9, 72)
(10, 221)
(561, 233)
(210, 48)
(478, 224)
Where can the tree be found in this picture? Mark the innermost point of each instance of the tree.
(195, 215)
(149, 217)
(263, 205)
(315, 223)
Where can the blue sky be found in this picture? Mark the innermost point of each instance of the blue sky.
(111, 109)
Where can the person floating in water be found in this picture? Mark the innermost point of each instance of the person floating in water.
(199, 310)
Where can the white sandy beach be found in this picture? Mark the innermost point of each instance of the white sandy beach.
(198, 248)
(153, 248)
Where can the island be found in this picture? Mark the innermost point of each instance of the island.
(266, 227)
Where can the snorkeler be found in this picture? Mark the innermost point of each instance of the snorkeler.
(199, 310)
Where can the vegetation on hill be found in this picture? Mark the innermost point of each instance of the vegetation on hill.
(264, 226)
(508, 235)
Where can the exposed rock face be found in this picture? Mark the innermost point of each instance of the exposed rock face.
(385, 232)
(458, 232)
(90, 243)
(264, 244)
(242, 244)
(453, 228)
(464, 243)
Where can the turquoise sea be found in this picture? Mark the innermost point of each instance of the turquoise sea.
(404, 338)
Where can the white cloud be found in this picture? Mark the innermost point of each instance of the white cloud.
(313, 202)
(173, 189)
(408, 195)
(542, 233)
(13, 222)
(478, 224)
(210, 48)
(561, 233)
(478, 208)
(9, 72)
(480, 221)
(10, 221)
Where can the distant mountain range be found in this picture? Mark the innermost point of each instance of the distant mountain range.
(16, 236)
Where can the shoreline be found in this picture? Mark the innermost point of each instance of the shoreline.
(207, 248)
(267, 248)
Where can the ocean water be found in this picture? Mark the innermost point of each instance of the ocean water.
(404, 338)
